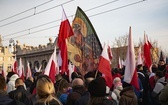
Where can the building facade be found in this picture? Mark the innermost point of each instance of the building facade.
(6, 57)
(121, 52)
(39, 56)
(36, 56)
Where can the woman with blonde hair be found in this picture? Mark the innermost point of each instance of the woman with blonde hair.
(46, 92)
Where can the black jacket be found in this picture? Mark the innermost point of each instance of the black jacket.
(77, 92)
(4, 99)
(84, 99)
(19, 94)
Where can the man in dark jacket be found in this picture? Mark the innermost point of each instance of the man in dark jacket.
(20, 93)
(83, 100)
(77, 91)
(143, 76)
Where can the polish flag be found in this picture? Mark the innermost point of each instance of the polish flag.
(15, 67)
(104, 66)
(130, 75)
(119, 63)
(110, 53)
(139, 60)
(147, 54)
(150, 45)
(51, 68)
(21, 69)
(28, 71)
(64, 32)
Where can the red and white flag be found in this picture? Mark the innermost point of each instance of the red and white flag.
(21, 69)
(150, 45)
(110, 53)
(131, 75)
(15, 67)
(64, 32)
(104, 66)
(147, 54)
(139, 60)
(28, 71)
(51, 69)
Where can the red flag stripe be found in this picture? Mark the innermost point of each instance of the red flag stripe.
(147, 58)
(104, 67)
(64, 32)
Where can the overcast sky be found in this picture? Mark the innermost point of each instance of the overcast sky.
(150, 16)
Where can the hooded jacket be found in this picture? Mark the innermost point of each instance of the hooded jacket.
(11, 83)
(158, 87)
(128, 97)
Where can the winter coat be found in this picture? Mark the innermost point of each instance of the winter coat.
(117, 92)
(128, 97)
(84, 99)
(75, 95)
(107, 102)
(15, 102)
(158, 87)
(19, 94)
(163, 97)
(11, 83)
(63, 98)
(4, 99)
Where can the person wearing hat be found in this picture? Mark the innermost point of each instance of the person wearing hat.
(97, 89)
(162, 62)
(11, 83)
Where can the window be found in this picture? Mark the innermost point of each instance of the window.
(9, 66)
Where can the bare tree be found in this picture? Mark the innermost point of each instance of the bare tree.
(121, 41)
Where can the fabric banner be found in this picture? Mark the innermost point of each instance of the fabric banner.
(84, 48)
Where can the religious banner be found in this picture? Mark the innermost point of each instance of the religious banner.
(84, 47)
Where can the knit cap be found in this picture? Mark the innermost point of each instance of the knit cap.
(97, 87)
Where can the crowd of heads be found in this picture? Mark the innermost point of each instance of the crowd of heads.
(89, 89)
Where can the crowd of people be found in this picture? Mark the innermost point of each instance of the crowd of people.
(90, 89)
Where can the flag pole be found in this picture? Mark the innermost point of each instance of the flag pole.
(96, 73)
